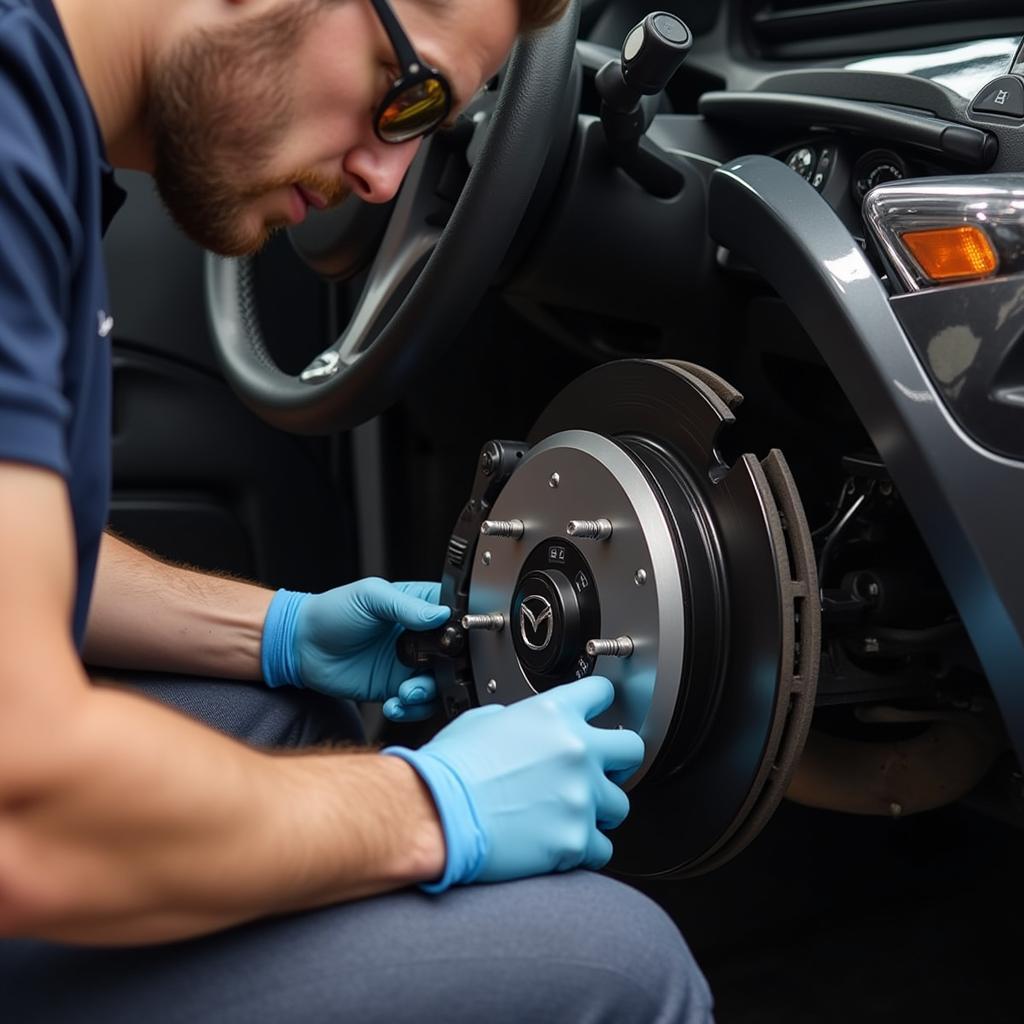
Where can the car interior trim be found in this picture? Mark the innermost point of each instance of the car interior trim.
(693, 156)
(963, 68)
(974, 147)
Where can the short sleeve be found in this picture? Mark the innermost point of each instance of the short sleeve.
(40, 239)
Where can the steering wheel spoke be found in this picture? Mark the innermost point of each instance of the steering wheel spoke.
(425, 202)
(393, 273)
(409, 239)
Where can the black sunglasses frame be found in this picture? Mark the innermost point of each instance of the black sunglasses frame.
(413, 72)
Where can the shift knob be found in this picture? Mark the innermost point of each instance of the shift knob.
(653, 51)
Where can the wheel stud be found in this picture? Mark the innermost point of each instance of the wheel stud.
(493, 620)
(621, 647)
(589, 529)
(513, 528)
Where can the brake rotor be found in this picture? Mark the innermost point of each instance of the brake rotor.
(704, 574)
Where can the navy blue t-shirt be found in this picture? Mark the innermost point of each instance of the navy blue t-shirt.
(54, 320)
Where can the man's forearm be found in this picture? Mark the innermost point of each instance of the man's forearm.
(146, 614)
(123, 821)
(150, 827)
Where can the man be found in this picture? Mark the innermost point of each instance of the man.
(124, 823)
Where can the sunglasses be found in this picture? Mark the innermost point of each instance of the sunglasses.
(419, 99)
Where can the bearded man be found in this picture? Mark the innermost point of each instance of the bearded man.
(152, 867)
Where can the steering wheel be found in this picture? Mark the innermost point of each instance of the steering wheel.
(425, 279)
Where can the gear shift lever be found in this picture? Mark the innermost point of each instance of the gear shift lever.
(651, 54)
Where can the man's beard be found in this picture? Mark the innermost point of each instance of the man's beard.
(220, 104)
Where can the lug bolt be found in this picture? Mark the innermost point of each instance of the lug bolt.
(492, 685)
(493, 620)
(486, 559)
(621, 647)
(554, 480)
(451, 640)
(589, 529)
(513, 528)
(640, 578)
(489, 458)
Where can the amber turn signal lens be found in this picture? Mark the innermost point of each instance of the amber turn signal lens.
(952, 254)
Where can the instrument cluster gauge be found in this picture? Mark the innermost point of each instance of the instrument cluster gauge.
(876, 168)
(813, 162)
(802, 161)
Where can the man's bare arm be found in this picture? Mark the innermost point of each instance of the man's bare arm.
(147, 614)
(124, 822)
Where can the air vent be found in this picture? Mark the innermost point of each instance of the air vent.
(774, 22)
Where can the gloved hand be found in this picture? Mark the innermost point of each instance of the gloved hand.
(523, 790)
(342, 642)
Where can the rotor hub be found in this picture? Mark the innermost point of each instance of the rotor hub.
(558, 593)
(555, 611)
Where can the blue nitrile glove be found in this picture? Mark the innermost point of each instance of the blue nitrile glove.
(343, 642)
(523, 790)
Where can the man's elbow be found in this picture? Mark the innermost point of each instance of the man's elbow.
(30, 896)
(38, 767)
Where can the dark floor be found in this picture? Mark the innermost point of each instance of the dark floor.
(831, 918)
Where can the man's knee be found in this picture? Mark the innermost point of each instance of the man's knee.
(650, 974)
(649, 950)
(581, 947)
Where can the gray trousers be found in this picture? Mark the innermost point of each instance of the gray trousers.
(576, 947)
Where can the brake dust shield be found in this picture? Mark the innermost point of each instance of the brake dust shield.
(708, 571)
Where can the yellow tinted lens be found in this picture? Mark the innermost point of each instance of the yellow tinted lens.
(414, 111)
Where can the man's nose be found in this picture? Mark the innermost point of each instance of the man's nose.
(375, 170)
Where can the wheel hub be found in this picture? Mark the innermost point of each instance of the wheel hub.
(554, 612)
(589, 583)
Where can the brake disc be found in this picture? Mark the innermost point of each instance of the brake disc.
(620, 522)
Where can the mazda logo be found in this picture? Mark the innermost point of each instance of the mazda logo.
(536, 622)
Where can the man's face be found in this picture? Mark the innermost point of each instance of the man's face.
(255, 119)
